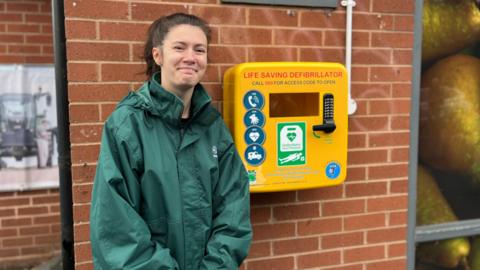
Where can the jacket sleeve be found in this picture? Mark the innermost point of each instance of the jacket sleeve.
(120, 238)
(231, 230)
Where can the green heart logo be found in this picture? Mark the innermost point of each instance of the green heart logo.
(291, 136)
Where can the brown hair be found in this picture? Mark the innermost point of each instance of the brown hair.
(160, 28)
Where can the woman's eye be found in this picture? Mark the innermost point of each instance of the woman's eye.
(178, 48)
(201, 50)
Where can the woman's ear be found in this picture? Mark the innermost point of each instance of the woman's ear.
(157, 56)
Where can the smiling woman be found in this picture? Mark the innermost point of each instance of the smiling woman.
(170, 190)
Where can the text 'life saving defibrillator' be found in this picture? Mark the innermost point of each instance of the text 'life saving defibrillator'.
(289, 121)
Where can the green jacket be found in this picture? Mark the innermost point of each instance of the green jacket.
(167, 194)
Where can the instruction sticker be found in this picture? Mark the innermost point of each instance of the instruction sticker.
(291, 144)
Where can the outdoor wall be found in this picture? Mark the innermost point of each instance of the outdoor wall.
(359, 225)
(29, 220)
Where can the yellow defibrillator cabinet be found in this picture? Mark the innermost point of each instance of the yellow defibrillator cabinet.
(289, 121)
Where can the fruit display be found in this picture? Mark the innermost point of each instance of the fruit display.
(448, 180)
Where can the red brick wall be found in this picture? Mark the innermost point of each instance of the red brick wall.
(360, 224)
(30, 220)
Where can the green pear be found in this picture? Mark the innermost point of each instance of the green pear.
(448, 27)
(449, 136)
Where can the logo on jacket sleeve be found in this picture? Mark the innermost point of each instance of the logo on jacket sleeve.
(214, 152)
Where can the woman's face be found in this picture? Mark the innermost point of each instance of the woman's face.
(183, 58)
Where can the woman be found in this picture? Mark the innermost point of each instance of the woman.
(170, 190)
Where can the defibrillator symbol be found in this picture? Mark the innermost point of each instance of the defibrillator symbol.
(291, 144)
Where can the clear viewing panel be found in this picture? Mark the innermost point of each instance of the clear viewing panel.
(293, 104)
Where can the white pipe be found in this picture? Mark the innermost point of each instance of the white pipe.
(349, 4)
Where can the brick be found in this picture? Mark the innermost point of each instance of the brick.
(298, 37)
(297, 245)
(23, 28)
(277, 263)
(47, 239)
(106, 110)
(32, 210)
(97, 51)
(47, 219)
(11, 252)
(16, 242)
(83, 252)
(10, 232)
(259, 249)
(356, 140)
(15, 222)
(387, 235)
(347, 267)
(35, 230)
(82, 193)
(78, 29)
(85, 133)
(359, 74)
(84, 113)
(404, 23)
(123, 31)
(398, 218)
(399, 264)
(223, 54)
(81, 213)
(369, 123)
(402, 57)
(321, 55)
(371, 90)
(122, 72)
(38, 18)
(270, 54)
(49, 199)
(11, 38)
(319, 259)
(363, 222)
(273, 231)
(392, 40)
(245, 36)
(84, 266)
(364, 254)
(268, 17)
(390, 74)
(388, 171)
(221, 14)
(47, 49)
(401, 90)
(46, 29)
(39, 39)
(24, 49)
(342, 240)
(356, 174)
(389, 139)
(366, 189)
(332, 192)
(372, 56)
(82, 72)
(397, 250)
(81, 232)
(319, 226)
(85, 153)
(149, 12)
(320, 20)
(367, 156)
(83, 173)
(297, 211)
(387, 6)
(369, 21)
(362, 105)
(14, 202)
(96, 9)
(96, 92)
(400, 186)
(11, 17)
(260, 214)
(7, 212)
(272, 198)
(400, 123)
(22, 7)
(387, 204)
(335, 208)
(35, 250)
(34, 59)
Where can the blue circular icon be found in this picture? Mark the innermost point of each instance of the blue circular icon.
(253, 99)
(332, 170)
(254, 154)
(254, 117)
(254, 135)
